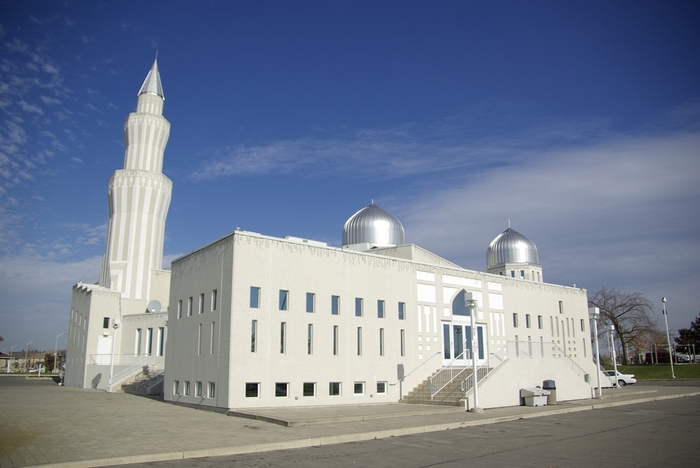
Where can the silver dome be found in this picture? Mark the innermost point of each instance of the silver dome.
(373, 225)
(511, 247)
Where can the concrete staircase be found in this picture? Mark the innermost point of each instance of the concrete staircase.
(148, 381)
(451, 395)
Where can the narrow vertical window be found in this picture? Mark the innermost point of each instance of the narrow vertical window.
(176, 387)
(199, 339)
(253, 336)
(522, 274)
(584, 346)
(211, 390)
(380, 308)
(198, 389)
(527, 321)
(539, 322)
(149, 341)
(561, 307)
(335, 340)
(358, 307)
(515, 320)
(359, 341)
(283, 337)
(211, 338)
(137, 343)
(284, 300)
(254, 297)
(310, 302)
(403, 342)
(189, 306)
(583, 325)
(179, 308)
(402, 311)
(335, 305)
(381, 342)
(201, 303)
(310, 339)
(105, 322)
(160, 346)
(187, 388)
(213, 299)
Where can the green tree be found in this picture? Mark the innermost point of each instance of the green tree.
(689, 336)
(630, 313)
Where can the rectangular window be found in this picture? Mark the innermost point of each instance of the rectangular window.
(334, 388)
(199, 339)
(254, 297)
(211, 390)
(213, 299)
(198, 389)
(335, 305)
(583, 325)
(252, 390)
(105, 322)
(176, 387)
(512, 273)
(358, 307)
(161, 341)
(539, 322)
(179, 308)
(253, 336)
(189, 306)
(380, 308)
(310, 339)
(281, 389)
(527, 321)
(522, 274)
(137, 343)
(335, 340)
(211, 338)
(186, 390)
(402, 311)
(359, 341)
(201, 303)
(381, 388)
(284, 298)
(403, 342)
(309, 389)
(515, 320)
(381, 342)
(149, 341)
(310, 302)
(561, 307)
(359, 388)
(283, 337)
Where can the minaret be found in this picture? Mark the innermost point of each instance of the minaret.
(139, 198)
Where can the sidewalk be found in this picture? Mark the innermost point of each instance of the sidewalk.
(43, 424)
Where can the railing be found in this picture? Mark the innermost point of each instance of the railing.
(119, 359)
(542, 349)
(129, 371)
(483, 371)
(400, 381)
(447, 374)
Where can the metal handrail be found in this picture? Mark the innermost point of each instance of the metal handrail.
(416, 368)
(468, 385)
(119, 376)
(437, 379)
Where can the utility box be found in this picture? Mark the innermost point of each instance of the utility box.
(551, 387)
(534, 396)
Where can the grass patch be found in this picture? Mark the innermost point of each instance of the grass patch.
(661, 371)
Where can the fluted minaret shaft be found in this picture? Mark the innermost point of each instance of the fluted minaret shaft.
(139, 197)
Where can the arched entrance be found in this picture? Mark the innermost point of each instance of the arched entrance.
(457, 336)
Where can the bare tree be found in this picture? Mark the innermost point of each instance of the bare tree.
(630, 313)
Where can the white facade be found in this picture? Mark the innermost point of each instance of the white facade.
(239, 313)
(111, 334)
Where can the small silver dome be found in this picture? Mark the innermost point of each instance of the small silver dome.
(373, 225)
(511, 247)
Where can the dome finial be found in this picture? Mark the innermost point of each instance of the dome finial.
(152, 84)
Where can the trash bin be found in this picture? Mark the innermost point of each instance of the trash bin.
(551, 386)
(534, 396)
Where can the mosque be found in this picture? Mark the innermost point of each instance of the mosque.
(258, 321)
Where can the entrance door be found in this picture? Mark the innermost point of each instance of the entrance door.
(456, 338)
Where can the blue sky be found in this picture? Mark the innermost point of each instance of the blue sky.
(577, 121)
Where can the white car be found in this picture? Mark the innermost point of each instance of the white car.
(620, 379)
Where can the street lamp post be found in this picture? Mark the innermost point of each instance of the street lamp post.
(668, 338)
(8, 361)
(26, 352)
(594, 312)
(111, 362)
(55, 352)
(612, 346)
(470, 303)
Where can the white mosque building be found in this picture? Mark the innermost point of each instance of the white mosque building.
(260, 321)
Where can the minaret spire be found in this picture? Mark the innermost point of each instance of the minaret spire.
(139, 198)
